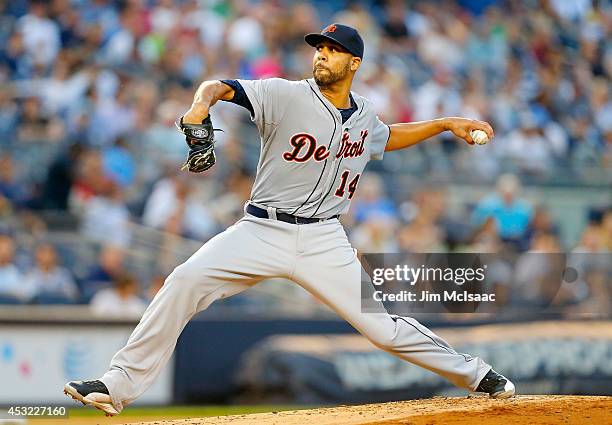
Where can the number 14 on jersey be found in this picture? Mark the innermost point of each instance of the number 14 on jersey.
(352, 186)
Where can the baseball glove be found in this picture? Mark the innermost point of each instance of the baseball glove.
(201, 141)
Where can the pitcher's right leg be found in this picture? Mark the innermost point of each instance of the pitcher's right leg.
(329, 269)
(247, 252)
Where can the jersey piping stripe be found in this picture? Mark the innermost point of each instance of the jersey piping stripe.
(331, 186)
(328, 148)
(450, 350)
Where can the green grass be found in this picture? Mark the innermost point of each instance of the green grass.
(91, 416)
(186, 411)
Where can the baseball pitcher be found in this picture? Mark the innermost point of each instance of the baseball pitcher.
(316, 138)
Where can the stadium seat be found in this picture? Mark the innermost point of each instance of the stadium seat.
(49, 299)
(89, 289)
(9, 300)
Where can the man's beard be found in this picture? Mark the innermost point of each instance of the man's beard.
(330, 77)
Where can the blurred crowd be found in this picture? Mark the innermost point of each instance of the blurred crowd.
(90, 91)
(106, 284)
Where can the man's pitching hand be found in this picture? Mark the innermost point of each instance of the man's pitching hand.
(461, 127)
(195, 115)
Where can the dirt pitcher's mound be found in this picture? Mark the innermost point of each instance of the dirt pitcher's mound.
(531, 410)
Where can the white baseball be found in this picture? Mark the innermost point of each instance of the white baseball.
(479, 137)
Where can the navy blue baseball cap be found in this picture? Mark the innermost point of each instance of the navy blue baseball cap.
(345, 36)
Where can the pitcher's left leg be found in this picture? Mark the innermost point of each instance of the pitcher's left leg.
(331, 271)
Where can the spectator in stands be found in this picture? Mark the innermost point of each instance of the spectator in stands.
(6, 208)
(119, 48)
(106, 218)
(110, 264)
(9, 114)
(511, 213)
(41, 35)
(485, 238)
(60, 178)
(538, 271)
(422, 234)
(14, 58)
(606, 229)
(375, 234)
(90, 72)
(545, 242)
(112, 117)
(161, 140)
(541, 222)
(61, 93)
(370, 201)
(12, 187)
(89, 179)
(595, 236)
(119, 163)
(11, 279)
(607, 148)
(121, 300)
(48, 279)
(598, 301)
(425, 231)
(173, 208)
(155, 285)
(591, 240)
(530, 147)
(35, 126)
(229, 204)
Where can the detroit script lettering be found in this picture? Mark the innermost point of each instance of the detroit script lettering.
(305, 147)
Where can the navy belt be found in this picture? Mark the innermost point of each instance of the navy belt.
(287, 218)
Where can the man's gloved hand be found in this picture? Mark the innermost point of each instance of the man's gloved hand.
(201, 141)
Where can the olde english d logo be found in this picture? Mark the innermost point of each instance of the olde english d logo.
(304, 148)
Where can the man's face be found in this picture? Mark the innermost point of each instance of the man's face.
(7, 249)
(46, 256)
(331, 63)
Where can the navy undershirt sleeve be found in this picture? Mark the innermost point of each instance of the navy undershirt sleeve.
(240, 97)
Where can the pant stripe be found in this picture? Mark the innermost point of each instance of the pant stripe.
(450, 350)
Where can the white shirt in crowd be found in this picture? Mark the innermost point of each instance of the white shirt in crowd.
(107, 302)
(55, 282)
(11, 282)
(41, 37)
(163, 203)
(107, 221)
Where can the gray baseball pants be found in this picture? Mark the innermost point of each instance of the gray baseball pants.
(317, 257)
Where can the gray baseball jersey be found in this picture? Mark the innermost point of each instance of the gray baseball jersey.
(310, 166)
(310, 161)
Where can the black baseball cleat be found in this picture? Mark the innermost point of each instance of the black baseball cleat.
(496, 385)
(93, 393)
